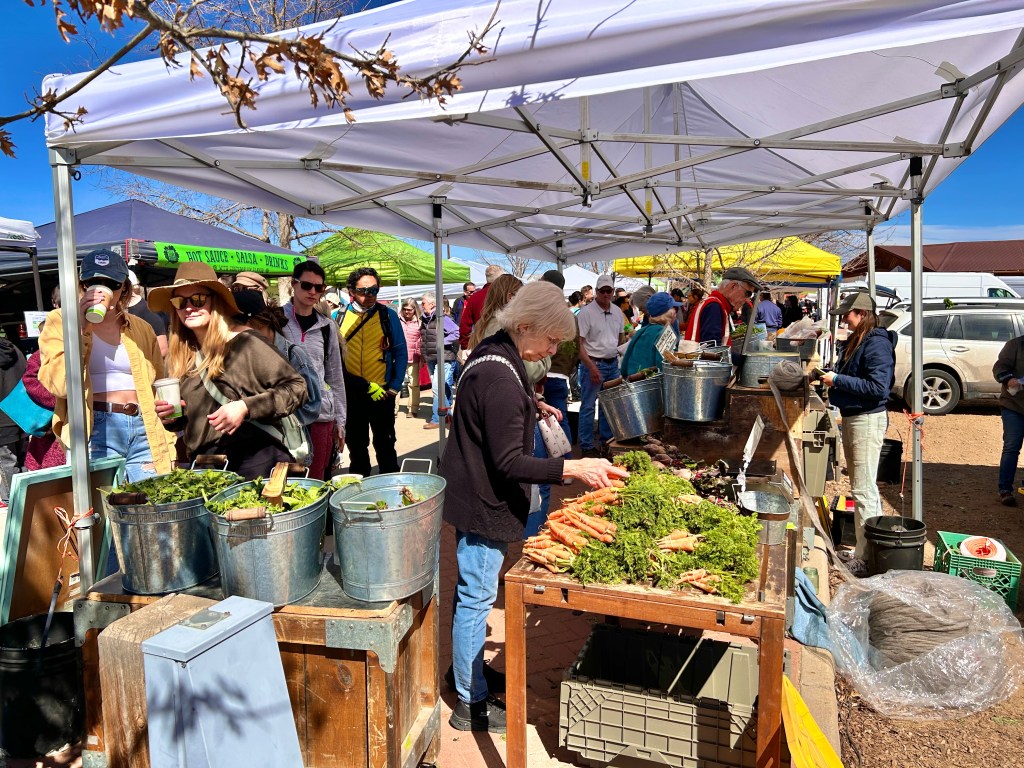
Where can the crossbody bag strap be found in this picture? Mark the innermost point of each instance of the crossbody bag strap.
(495, 359)
(221, 398)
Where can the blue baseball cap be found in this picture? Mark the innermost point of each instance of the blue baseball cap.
(104, 263)
(660, 303)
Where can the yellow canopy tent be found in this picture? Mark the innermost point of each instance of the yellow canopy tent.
(788, 261)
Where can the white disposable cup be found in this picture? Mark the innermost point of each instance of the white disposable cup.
(97, 312)
(169, 390)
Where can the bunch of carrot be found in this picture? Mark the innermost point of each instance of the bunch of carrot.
(679, 541)
(570, 528)
(701, 579)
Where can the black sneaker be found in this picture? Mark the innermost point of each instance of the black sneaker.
(487, 715)
(495, 680)
(590, 453)
(1007, 499)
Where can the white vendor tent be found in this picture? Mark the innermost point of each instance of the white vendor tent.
(18, 238)
(600, 129)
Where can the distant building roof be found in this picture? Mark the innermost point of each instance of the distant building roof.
(999, 257)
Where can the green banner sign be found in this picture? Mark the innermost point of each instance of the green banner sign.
(226, 259)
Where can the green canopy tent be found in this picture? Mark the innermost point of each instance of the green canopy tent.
(397, 262)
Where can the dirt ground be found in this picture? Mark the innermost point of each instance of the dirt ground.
(961, 454)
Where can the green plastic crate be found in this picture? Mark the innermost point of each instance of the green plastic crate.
(660, 698)
(1005, 582)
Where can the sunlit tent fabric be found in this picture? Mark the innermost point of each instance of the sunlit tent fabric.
(614, 128)
(396, 261)
(159, 238)
(17, 234)
(788, 261)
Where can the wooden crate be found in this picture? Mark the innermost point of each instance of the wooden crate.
(362, 677)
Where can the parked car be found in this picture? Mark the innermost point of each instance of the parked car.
(940, 285)
(962, 339)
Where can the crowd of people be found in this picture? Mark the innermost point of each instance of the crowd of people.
(260, 382)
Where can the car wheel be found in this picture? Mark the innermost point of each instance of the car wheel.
(941, 392)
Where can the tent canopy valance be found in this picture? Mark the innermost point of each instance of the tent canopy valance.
(602, 130)
(396, 261)
(788, 261)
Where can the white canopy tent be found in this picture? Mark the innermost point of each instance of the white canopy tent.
(605, 129)
(17, 236)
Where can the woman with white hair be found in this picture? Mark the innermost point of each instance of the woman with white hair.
(489, 465)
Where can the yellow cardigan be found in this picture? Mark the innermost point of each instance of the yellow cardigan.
(147, 366)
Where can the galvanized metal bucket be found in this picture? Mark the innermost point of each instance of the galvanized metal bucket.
(694, 392)
(758, 366)
(275, 558)
(393, 553)
(163, 547)
(774, 509)
(633, 408)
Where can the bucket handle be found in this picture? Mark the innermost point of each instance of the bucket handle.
(249, 514)
(210, 460)
(348, 521)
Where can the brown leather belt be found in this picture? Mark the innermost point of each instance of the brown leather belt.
(128, 409)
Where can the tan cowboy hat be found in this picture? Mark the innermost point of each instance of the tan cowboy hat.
(191, 273)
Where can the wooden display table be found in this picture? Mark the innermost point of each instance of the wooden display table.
(761, 616)
(362, 677)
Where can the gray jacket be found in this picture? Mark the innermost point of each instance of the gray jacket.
(324, 351)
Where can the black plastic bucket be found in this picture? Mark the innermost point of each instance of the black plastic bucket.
(40, 689)
(894, 544)
(890, 461)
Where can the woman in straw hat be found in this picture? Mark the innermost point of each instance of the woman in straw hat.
(215, 363)
(120, 362)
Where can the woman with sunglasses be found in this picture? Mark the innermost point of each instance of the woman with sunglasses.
(121, 362)
(215, 362)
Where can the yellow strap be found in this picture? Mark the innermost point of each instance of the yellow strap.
(808, 747)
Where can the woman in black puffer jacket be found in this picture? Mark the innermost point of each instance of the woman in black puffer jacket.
(859, 388)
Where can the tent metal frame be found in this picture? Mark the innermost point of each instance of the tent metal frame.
(641, 218)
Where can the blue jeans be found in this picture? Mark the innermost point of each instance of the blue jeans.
(449, 369)
(556, 394)
(1013, 438)
(479, 560)
(588, 392)
(117, 434)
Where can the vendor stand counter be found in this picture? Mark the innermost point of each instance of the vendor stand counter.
(362, 677)
(761, 616)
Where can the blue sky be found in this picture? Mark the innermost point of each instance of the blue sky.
(979, 201)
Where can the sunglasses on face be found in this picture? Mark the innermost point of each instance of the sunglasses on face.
(196, 300)
(749, 294)
(373, 290)
(96, 282)
(606, 290)
(307, 286)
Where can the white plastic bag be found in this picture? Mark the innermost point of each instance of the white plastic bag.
(802, 329)
(919, 644)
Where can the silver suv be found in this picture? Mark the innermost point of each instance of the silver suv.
(962, 339)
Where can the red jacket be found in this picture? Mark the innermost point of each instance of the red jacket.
(471, 312)
(693, 325)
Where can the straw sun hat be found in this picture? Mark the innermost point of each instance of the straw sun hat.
(192, 274)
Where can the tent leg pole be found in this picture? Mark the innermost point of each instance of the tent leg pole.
(35, 280)
(442, 409)
(871, 263)
(61, 161)
(917, 348)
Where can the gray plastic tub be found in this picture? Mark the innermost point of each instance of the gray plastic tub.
(276, 558)
(388, 554)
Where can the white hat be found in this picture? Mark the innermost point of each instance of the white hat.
(132, 277)
(604, 281)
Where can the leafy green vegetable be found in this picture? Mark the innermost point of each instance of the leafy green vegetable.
(295, 496)
(635, 461)
(182, 485)
(651, 508)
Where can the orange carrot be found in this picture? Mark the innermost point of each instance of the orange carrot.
(602, 495)
(567, 535)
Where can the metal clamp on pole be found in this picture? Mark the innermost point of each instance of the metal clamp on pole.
(86, 566)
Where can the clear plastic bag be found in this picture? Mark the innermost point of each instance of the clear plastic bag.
(919, 644)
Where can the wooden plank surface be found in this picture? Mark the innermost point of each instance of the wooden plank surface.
(122, 678)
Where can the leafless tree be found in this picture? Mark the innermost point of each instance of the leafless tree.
(242, 53)
(514, 263)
